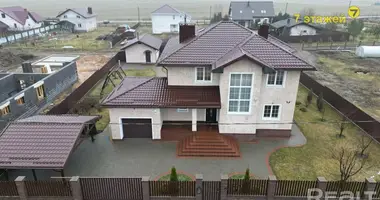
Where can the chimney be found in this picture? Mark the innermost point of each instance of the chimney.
(89, 10)
(264, 31)
(27, 67)
(186, 31)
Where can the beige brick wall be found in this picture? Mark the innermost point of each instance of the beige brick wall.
(185, 76)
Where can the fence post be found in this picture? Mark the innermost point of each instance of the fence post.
(21, 189)
(345, 45)
(369, 188)
(145, 187)
(223, 186)
(271, 190)
(198, 186)
(76, 188)
(317, 45)
(322, 184)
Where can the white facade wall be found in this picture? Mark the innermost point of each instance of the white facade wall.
(171, 114)
(29, 23)
(186, 76)
(87, 24)
(161, 22)
(136, 53)
(302, 30)
(116, 114)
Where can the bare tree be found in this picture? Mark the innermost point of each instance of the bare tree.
(364, 144)
(342, 124)
(349, 163)
(308, 12)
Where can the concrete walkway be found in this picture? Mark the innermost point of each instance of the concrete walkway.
(138, 157)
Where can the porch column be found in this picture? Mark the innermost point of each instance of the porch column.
(194, 119)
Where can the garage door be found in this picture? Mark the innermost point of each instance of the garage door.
(137, 128)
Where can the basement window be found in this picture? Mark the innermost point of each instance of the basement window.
(20, 101)
(40, 92)
(182, 110)
(6, 110)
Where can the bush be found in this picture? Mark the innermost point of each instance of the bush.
(298, 103)
(173, 174)
(246, 187)
(85, 105)
(303, 109)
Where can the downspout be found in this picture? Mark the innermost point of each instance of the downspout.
(165, 70)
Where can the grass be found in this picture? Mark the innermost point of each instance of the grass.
(95, 93)
(181, 177)
(85, 41)
(314, 158)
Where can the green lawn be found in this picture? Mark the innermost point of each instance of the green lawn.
(95, 93)
(314, 159)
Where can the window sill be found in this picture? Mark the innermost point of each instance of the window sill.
(203, 81)
(275, 86)
(239, 113)
(271, 119)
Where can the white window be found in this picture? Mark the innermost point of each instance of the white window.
(182, 110)
(203, 73)
(78, 16)
(2, 15)
(271, 112)
(79, 25)
(276, 79)
(239, 98)
(64, 16)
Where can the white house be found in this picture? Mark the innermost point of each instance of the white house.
(290, 27)
(83, 19)
(143, 49)
(166, 19)
(16, 18)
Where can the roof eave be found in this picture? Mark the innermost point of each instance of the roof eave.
(159, 106)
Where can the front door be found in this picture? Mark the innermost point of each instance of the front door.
(147, 56)
(211, 115)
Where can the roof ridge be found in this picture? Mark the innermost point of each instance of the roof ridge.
(169, 7)
(194, 39)
(129, 89)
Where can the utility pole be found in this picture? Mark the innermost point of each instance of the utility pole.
(286, 8)
(210, 13)
(138, 14)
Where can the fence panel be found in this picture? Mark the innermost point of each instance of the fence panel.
(172, 188)
(50, 188)
(211, 190)
(255, 187)
(377, 190)
(111, 188)
(338, 186)
(8, 188)
(296, 188)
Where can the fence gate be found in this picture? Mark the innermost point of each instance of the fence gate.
(211, 190)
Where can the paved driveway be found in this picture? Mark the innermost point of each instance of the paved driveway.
(143, 157)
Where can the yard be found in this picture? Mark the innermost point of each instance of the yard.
(79, 41)
(314, 158)
(95, 94)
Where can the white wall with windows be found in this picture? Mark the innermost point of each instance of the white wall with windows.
(166, 23)
(137, 53)
(192, 76)
(17, 26)
(81, 24)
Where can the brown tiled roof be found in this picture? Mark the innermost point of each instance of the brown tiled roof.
(60, 119)
(33, 144)
(217, 42)
(136, 92)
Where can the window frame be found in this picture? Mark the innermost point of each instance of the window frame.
(275, 80)
(20, 101)
(250, 97)
(203, 76)
(80, 25)
(40, 89)
(64, 16)
(3, 15)
(182, 110)
(7, 109)
(271, 110)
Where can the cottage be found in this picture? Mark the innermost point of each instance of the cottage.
(82, 19)
(242, 84)
(250, 13)
(16, 18)
(290, 27)
(143, 49)
(166, 19)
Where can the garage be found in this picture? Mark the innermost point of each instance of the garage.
(137, 128)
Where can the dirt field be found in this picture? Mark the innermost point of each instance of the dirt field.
(357, 79)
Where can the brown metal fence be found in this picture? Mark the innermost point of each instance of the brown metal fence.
(338, 186)
(256, 187)
(377, 190)
(295, 188)
(370, 125)
(8, 188)
(172, 188)
(211, 190)
(48, 188)
(70, 101)
(111, 188)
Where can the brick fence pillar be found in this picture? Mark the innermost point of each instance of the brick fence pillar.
(272, 182)
(76, 189)
(369, 188)
(322, 185)
(145, 187)
(198, 186)
(21, 189)
(223, 186)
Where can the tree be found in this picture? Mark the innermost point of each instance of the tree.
(173, 174)
(173, 186)
(309, 97)
(280, 17)
(308, 12)
(355, 27)
(320, 102)
(217, 17)
(343, 124)
(375, 31)
(349, 163)
(246, 187)
(363, 145)
(226, 17)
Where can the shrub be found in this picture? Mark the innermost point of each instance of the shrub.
(309, 97)
(298, 103)
(320, 102)
(246, 187)
(173, 187)
(173, 174)
(303, 109)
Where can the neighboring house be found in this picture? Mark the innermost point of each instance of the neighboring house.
(166, 19)
(22, 94)
(290, 27)
(17, 18)
(142, 49)
(249, 13)
(225, 74)
(83, 19)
